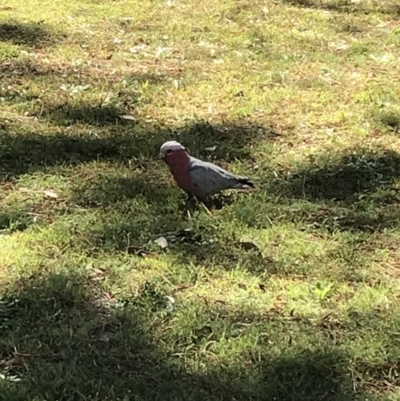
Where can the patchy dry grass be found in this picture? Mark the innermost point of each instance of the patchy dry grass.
(288, 293)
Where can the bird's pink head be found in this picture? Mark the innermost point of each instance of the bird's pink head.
(173, 153)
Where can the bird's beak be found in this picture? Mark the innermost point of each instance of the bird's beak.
(161, 156)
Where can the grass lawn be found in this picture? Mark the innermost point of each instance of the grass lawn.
(290, 292)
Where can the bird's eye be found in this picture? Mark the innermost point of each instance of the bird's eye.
(169, 151)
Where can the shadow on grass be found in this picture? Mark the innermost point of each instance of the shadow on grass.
(345, 177)
(391, 8)
(30, 34)
(94, 115)
(64, 337)
(22, 152)
(31, 69)
(356, 190)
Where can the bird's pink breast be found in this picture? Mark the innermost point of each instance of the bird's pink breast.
(178, 164)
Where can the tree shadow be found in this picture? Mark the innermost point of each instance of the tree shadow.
(29, 69)
(23, 152)
(65, 337)
(347, 178)
(344, 6)
(31, 34)
(97, 115)
(231, 139)
(357, 191)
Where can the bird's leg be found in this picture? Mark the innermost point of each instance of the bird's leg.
(190, 201)
(206, 209)
(206, 203)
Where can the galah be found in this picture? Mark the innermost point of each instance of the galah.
(196, 177)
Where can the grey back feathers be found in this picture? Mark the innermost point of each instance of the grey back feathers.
(212, 179)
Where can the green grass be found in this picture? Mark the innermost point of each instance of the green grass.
(287, 293)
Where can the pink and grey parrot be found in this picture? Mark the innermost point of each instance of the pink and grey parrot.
(196, 177)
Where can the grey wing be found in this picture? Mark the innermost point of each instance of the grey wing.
(209, 177)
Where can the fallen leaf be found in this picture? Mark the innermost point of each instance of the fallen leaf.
(137, 49)
(181, 287)
(24, 190)
(338, 45)
(162, 242)
(98, 273)
(10, 378)
(50, 194)
(170, 299)
(128, 117)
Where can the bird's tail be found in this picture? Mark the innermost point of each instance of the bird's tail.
(243, 183)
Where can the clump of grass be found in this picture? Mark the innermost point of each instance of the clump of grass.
(391, 120)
